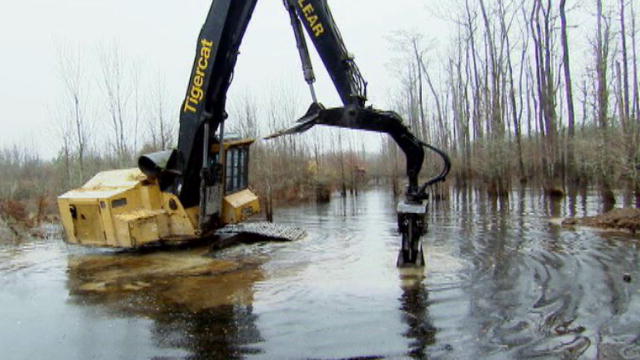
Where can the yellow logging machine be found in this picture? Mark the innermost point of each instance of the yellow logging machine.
(198, 188)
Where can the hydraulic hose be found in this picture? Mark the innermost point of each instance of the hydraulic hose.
(445, 170)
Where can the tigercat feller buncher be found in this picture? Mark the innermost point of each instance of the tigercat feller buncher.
(201, 186)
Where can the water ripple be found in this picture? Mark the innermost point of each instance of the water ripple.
(501, 282)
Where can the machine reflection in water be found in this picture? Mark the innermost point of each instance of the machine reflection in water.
(197, 303)
(414, 304)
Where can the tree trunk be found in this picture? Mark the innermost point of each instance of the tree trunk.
(602, 56)
(571, 166)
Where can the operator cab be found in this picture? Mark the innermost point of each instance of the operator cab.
(239, 201)
(235, 162)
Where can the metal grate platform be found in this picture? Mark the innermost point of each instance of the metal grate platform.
(265, 229)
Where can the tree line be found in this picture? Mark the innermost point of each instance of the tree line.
(517, 99)
(528, 93)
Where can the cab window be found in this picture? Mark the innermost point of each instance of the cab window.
(237, 169)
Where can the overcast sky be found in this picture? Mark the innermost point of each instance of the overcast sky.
(161, 36)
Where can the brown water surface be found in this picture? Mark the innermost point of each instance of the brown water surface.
(501, 282)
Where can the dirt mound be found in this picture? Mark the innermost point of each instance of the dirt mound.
(619, 219)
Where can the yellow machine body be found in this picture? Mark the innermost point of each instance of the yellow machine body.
(126, 209)
(240, 206)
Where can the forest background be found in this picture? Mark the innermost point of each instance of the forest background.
(513, 101)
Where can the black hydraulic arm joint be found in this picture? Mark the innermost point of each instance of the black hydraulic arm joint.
(318, 21)
(303, 50)
(355, 117)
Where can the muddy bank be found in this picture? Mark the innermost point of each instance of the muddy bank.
(23, 219)
(627, 219)
(12, 231)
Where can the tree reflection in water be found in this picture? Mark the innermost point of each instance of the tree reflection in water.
(223, 332)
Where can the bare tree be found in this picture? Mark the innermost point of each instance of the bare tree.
(505, 29)
(635, 106)
(603, 37)
(470, 24)
(625, 65)
(542, 23)
(63, 127)
(75, 123)
(118, 93)
(136, 79)
(245, 115)
(159, 126)
(634, 50)
(566, 62)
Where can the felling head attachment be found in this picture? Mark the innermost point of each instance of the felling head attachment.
(412, 224)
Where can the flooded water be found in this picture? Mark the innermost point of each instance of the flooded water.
(501, 282)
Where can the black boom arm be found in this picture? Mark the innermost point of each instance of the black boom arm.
(316, 17)
(216, 55)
